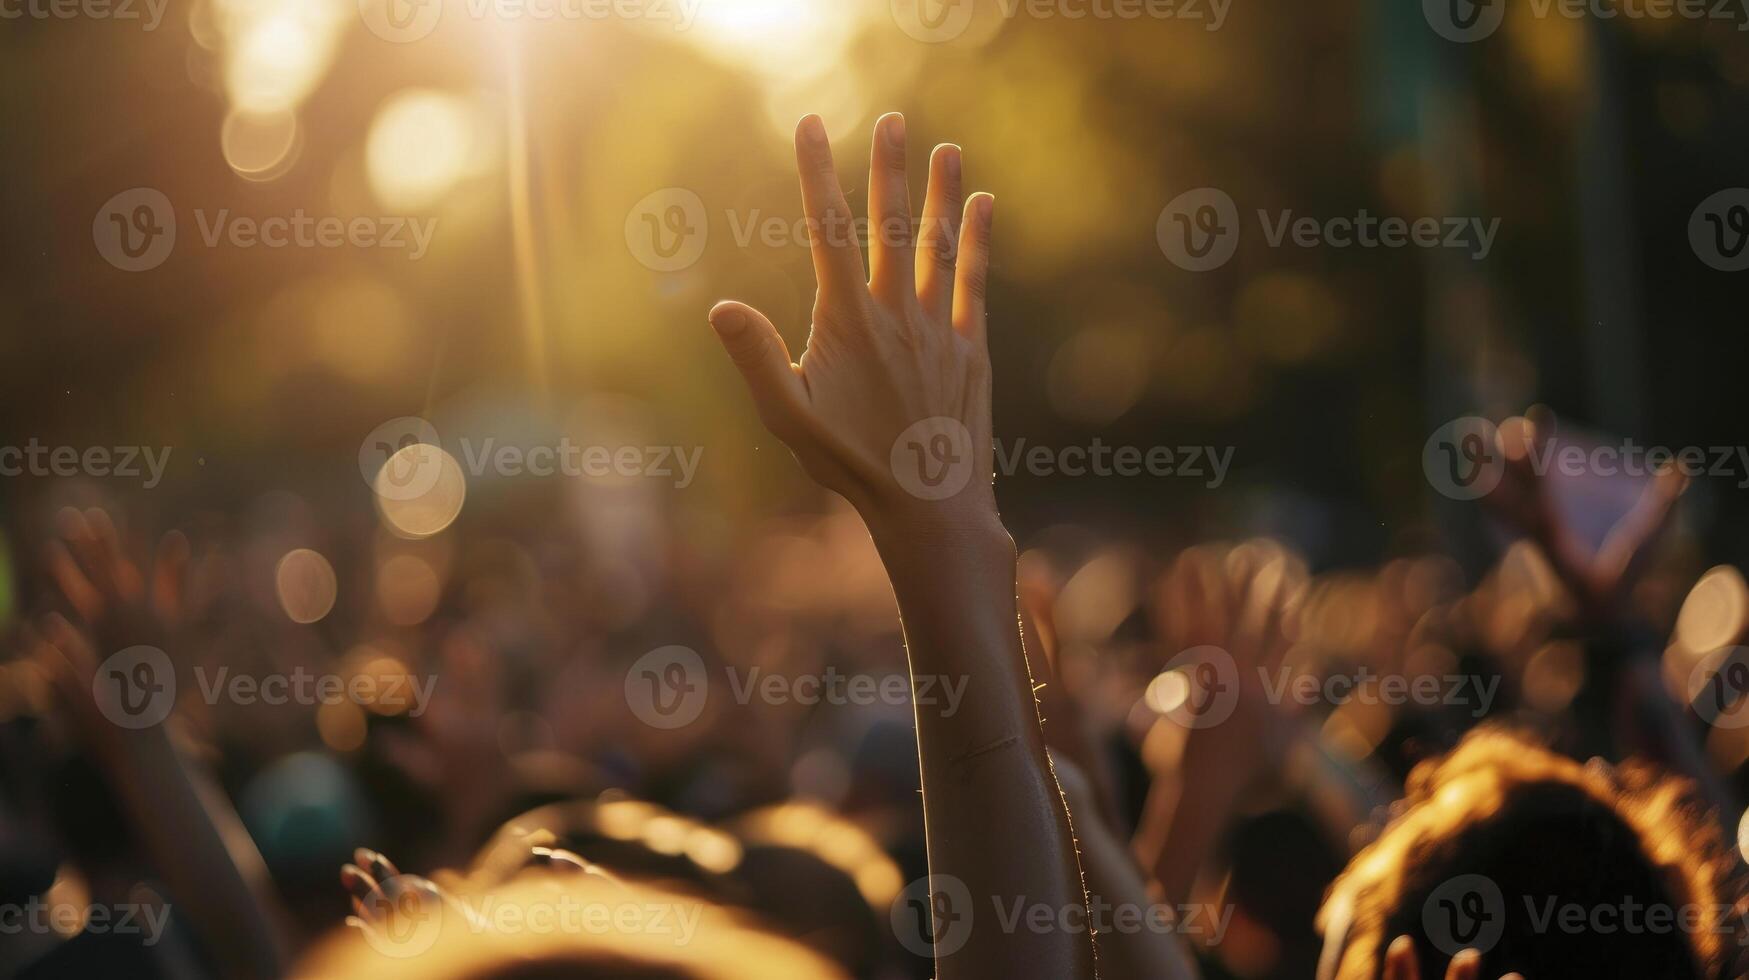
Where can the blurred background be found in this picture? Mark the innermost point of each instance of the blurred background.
(531, 142)
(541, 147)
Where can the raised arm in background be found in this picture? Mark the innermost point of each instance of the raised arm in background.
(191, 835)
(890, 407)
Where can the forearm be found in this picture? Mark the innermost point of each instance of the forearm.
(1183, 816)
(200, 849)
(994, 815)
(1116, 886)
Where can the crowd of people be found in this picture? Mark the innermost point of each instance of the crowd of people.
(1072, 758)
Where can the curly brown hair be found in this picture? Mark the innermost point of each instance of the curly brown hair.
(1540, 862)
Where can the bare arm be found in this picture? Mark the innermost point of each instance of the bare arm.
(192, 837)
(890, 407)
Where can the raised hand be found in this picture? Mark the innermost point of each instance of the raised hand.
(117, 603)
(1233, 615)
(890, 407)
(898, 353)
(1400, 964)
(190, 834)
(1599, 581)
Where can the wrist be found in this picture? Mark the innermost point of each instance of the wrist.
(934, 527)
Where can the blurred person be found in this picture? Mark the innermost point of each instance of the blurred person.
(1534, 834)
(561, 920)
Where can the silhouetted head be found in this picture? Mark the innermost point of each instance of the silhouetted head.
(1548, 867)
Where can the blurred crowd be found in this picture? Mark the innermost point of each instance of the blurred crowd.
(481, 744)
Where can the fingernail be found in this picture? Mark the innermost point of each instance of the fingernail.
(986, 206)
(896, 131)
(813, 130)
(727, 320)
(950, 160)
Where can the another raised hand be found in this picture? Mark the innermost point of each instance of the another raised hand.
(191, 834)
(1400, 964)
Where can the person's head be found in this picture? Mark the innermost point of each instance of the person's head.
(543, 925)
(1549, 867)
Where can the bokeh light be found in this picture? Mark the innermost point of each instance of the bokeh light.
(439, 489)
(422, 144)
(306, 585)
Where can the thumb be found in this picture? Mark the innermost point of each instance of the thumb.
(763, 360)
